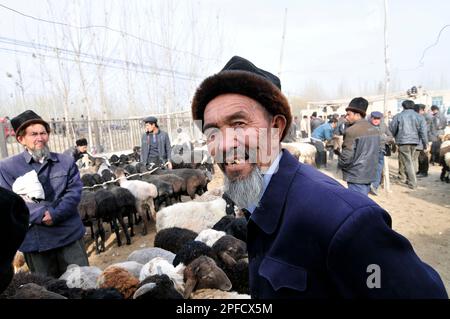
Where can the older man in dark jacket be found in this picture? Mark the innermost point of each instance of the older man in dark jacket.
(308, 237)
(409, 129)
(360, 150)
(51, 186)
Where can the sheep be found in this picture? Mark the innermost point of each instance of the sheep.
(159, 266)
(84, 277)
(157, 287)
(196, 180)
(209, 236)
(133, 267)
(217, 294)
(203, 272)
(305, 152)
(126, 203)
(236, 227)
(143, 256)
(444, 153)
(195, 216)
(190, 251)
(165, 190)
(33, 291)
(57, 286)
(108, 210)
(144, 193)
(173, 238)
(19, 263)
(229, 250)
(119, 278)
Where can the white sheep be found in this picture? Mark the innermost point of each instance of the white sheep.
(159, 266)
(144, 255)
(305, 152)
(195, 216)
(84, 277)
(210, 236)
(143, 192)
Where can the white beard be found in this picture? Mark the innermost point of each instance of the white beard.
(39, 154)
(245, 192)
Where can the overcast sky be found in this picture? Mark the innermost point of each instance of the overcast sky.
(328, 43)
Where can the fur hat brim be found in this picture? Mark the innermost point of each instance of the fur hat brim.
(244, 83)
(356, 110)
(25, 124)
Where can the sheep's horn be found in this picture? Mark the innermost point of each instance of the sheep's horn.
(144, 289)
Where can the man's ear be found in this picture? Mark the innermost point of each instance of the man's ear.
(279, 121)
(20, 139)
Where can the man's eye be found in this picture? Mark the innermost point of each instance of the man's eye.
(238, 124)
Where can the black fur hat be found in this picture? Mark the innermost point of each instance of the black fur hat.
(240, 76)
(358, 105)
(25, 119)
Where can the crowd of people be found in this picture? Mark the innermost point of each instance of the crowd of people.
(415, 133)
(307, 235)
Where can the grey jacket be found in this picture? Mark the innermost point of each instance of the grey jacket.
(385, 135)
(360, 152)
(164, 147)
(408, 127)
(437, 126)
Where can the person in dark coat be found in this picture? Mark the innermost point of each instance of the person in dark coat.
(80, 148)
(155, 144)
(360, 149)
(14, 220)
(308, 236)
(51, 186)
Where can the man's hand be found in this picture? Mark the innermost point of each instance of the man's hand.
(169, 165)
(47, 219)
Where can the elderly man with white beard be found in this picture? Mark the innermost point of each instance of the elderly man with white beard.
(308, 236)
(51, 187)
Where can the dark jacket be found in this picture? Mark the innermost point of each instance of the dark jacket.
(360, 152)
(312, 238)
(408, 127)
(61, 182)
(164, 147)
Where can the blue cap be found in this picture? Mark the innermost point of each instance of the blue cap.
(376, 114)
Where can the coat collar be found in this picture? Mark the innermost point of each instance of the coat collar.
(28, 158)
(271, 206)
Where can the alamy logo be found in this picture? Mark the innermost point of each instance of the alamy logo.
(374, 279)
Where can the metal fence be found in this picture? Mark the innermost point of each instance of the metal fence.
(104, 136)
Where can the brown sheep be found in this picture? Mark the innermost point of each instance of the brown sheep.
(120, 279)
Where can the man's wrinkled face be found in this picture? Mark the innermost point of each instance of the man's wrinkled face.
(241, 134)
(35, 137)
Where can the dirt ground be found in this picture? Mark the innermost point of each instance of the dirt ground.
(422, 216)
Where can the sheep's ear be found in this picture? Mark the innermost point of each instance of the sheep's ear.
(227, 259)
(189, 287)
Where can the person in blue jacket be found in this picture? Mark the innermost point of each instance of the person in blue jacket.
(51, 186)
(308, 236)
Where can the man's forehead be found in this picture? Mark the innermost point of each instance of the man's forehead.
(35, 128)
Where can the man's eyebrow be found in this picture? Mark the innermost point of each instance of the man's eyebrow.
(228, 119)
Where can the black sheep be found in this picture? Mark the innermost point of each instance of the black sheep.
(190, 251)
(163, 288)
(173, 239)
